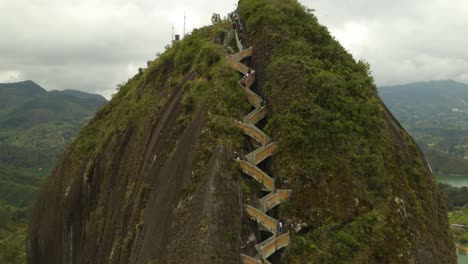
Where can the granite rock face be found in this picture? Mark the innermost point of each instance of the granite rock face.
(152, 178)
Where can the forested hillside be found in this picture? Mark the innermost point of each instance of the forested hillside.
(35, 126)
(436, 115)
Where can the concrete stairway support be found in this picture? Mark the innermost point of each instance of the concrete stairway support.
(274, 245)
(274, 199)
(249, 260)
(252, 97)
(268, 222)
(243, 54)
(262, 153)
(254, 132)
(256, 173)
(256, 115)
(237, 65)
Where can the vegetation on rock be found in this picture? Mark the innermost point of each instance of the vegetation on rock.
(35, 127)
(457, 202)
(169, 125)
(151, 179)
(362, 189)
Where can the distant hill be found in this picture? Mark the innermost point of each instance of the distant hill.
(21, 88)
(11, 96)
(436, 115)
(82, 95)
(35, 127)
(26, 104)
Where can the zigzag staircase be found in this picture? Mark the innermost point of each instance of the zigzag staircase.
(248, 126)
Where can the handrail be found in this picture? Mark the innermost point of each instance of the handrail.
(249, 260)
(278, 243)
(273, 199)
(268, 222)
(254, 132)
(256, 173)
(237, 65)
(252, 97)
(242, 55)
(256, 115)
(262, 153)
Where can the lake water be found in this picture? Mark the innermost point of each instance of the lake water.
(458, 181)
(462, 258)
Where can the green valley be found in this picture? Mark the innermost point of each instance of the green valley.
(35, 127)
(436, 115)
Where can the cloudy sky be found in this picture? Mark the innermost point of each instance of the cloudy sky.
(91, 45)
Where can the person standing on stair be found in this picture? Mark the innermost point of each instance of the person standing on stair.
(234, 24)
(245, 79)
(280, 226)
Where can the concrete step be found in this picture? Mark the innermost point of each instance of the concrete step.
(262, 153)
(249, 260)
(256, 115)
(254, 132)
(270, 246)
(243, 54)
(273, 199)
(252, 97)
(250, 81)
(238, 42)
(256, 173)
(237, 65)
(268, 222)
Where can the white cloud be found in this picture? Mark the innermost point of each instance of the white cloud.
(404, 41)
(9, 76)
(92, 45)
(353, 35)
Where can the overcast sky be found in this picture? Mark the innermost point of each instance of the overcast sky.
(91, 45)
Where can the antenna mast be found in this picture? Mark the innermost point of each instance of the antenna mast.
(172, 32)
(184, 23)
